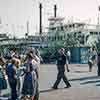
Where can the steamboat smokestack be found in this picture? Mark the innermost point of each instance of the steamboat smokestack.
(40, 12)
(55, 11)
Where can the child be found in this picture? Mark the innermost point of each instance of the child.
(12, 79)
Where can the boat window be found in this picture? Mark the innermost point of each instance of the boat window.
(95, 33)
(62, 28)
(91, 33)
(61, 37)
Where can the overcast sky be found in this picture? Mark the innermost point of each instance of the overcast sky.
(15, 13)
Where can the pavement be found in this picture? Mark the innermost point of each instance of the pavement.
(85, 85)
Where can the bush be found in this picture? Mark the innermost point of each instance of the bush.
(48, 55)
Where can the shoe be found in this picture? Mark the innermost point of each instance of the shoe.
(68, 70)
(54, 87)
(68, 86)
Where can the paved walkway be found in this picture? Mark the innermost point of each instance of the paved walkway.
(85, 85)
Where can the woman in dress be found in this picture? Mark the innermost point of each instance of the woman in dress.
(29, 83)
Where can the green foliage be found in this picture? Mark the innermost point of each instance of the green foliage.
(97, 44)
(48, 54)
(71, 40)
(58, 44)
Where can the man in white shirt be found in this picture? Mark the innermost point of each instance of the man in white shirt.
(68, 55)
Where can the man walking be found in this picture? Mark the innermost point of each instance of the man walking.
(61, 61)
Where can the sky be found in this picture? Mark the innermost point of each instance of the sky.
(14, 14)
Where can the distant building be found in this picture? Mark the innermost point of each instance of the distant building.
(87, 33)
(3, 36)
(57, 31)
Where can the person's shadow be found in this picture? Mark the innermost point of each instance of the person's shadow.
(83, 81)
(51, 90)
(47, 90)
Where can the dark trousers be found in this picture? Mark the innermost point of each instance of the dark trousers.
(98, 68)
(13, 83)
(61, 75)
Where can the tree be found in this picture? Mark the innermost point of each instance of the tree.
(72, 40)
(97, 44)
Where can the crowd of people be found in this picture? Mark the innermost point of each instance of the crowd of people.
(21, 73)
